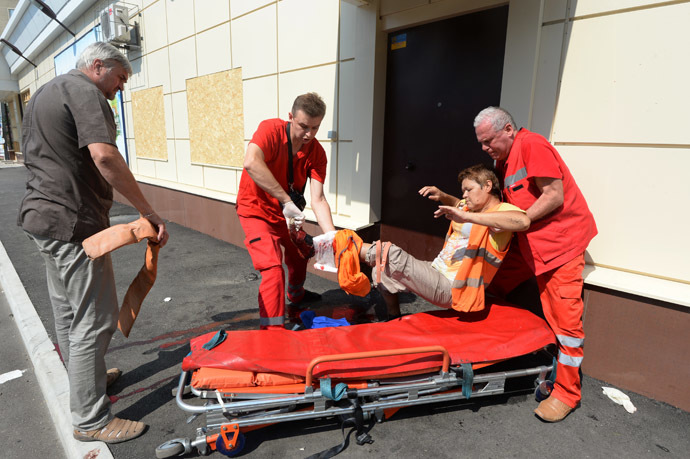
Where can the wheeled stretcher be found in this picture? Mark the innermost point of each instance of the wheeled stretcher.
(364, 372)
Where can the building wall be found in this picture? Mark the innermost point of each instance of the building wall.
(265, 44)
(5, 6)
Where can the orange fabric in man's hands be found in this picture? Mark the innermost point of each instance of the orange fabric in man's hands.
(346, 246)
(118, 236)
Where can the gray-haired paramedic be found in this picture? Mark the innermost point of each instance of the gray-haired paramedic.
(536, 179)
(68, 137)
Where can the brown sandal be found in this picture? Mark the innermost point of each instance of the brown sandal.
(116, 431)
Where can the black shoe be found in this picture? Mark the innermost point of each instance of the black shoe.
(308, 297)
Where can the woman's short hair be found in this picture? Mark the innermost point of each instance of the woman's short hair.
(106, 53)
(481, 173)
(311, 104)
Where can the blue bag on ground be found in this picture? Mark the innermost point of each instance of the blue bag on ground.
(310, 320)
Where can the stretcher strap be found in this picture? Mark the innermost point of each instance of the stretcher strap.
(326, 391)
(554, 365)
(218, 338)
(467, 379)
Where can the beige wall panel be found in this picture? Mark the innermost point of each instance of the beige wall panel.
(154, 27)
(146, 167)
(168, 110)
(180, 17)
(209, 13)
(216, 119)
(347, 98)
(554, 10)
(321, 80)
(260, 103)
(254, 43)
(182, 63)
(148, 113)
(586, 7)
(180, 119)
(157, 64)
(187, 173)
(132, 152)
(291, 12)
(213, 51)
(394, 6)
(623, 80)
(546, 83)
(329, 187)
(346, 173)
(348, 30)
(218, 179)
(138, 78)
(630, 196)
(240, 7)
(522, 44)
(167, 170)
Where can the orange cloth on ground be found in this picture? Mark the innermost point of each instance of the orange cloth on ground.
(118, 236)
(346, 246)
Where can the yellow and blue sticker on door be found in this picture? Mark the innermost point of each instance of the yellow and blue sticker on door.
(398, 41)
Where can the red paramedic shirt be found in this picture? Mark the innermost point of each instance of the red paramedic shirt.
(564, 233)
(310, 161)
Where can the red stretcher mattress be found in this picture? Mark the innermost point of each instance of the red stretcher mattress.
(504, 332)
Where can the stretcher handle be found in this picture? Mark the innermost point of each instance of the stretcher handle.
(372, 354)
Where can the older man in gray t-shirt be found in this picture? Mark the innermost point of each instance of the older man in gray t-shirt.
(70, 152)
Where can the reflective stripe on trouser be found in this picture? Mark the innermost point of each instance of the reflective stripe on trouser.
(403, 272)
(82, 293)
(264, 241)
(295, 292)
(561, 298)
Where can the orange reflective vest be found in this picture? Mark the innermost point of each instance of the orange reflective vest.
(477, 269)
(346, 246)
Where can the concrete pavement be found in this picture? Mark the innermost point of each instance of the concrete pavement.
(205, 284)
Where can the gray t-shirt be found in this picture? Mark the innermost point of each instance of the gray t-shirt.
(67, 198)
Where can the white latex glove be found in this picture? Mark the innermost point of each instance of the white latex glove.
(292, 212)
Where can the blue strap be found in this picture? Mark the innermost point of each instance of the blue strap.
(467, 379)
(216, 340)
(335, 395)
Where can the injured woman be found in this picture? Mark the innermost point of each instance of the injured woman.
(477, 241)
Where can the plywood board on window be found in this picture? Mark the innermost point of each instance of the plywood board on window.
(148, 114)
(216, 118)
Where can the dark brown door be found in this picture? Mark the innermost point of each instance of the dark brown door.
(439, 76)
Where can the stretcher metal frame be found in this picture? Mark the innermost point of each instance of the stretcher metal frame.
(236, 412)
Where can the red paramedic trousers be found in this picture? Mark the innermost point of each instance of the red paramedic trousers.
(560, 291)
(263, 241)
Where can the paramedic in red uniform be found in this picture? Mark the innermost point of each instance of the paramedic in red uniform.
(535, 179)
(265, 207)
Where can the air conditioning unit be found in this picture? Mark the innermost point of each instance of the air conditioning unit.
(115, 23)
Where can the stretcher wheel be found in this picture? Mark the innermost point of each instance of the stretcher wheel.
(543, 390)
(239, 446)
(170, 449)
